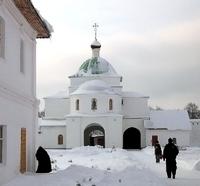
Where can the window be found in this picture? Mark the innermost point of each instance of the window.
(94, 104)
(110, 104)
(60, 139)
(22, 56)
(77, 104)
(122, 102)
(2, 37)
(1, 143)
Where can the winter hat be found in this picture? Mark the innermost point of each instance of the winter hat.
(170, 140)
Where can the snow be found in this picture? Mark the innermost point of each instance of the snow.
(94, 87)
(48, 25)
(169, 119)
(133, 94)
(87, 166)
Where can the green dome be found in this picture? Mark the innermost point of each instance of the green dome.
(96, 65)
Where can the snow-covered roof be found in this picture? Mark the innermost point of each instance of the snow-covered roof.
(169, 119)
(60, 95)
(133, 94)
(51, 122)
(94, 87)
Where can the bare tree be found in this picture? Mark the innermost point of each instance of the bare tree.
(193, 110)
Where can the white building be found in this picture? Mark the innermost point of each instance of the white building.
(97, 111)
(165, 124)
(195, 134)
(20, 25)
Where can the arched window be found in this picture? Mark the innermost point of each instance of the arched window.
(60, 139)
(2, 37)
(77, 104)
(110, 104)
(94, 104)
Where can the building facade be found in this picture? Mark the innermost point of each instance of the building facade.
(195, 134)
(165, 124)
(95, 111)
(20, 25)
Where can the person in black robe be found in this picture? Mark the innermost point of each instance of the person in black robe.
(158, 152)
(44, 163)
(169, 154)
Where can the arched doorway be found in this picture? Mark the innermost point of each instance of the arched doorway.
(94, 134)
(132, 139)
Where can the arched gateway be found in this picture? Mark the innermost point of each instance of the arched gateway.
(132, 139)
(94, 134)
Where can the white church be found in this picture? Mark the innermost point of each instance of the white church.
(97, 111)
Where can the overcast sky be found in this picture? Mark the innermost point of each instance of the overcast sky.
(153, 44)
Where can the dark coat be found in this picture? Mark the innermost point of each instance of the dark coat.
(44, 163)
(158, 150)
(170, 152)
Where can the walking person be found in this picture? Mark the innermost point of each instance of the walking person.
(169, 154)
(157, 152)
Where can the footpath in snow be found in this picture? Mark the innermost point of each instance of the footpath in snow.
(94, 166)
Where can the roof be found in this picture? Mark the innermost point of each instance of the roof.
(37, 22)
(169, 119)
(127, 94)
(96, 66)
(94, 87)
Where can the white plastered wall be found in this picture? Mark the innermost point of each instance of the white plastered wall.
(182, 136)
(18, 104)
(112, 126)
(195, 133)
(102, 104)
(14, 116)
(135, 107)
(56, 107)
(48, 136)
(138, 124)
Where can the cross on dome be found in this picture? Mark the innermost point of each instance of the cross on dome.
(95, 26)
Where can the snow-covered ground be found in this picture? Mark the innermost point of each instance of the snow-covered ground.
(94, 166)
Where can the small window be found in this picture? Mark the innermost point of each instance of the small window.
(2, 37)
(22, 56)
(122, 102)
(77, 104)
(1, 143)
(60, 139)
(94, 104)
(110, 104)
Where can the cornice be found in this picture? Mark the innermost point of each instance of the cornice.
(11, 94)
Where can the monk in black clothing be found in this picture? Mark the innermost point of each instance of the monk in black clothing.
(44, 163)
(169, 154)
(158, 152)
